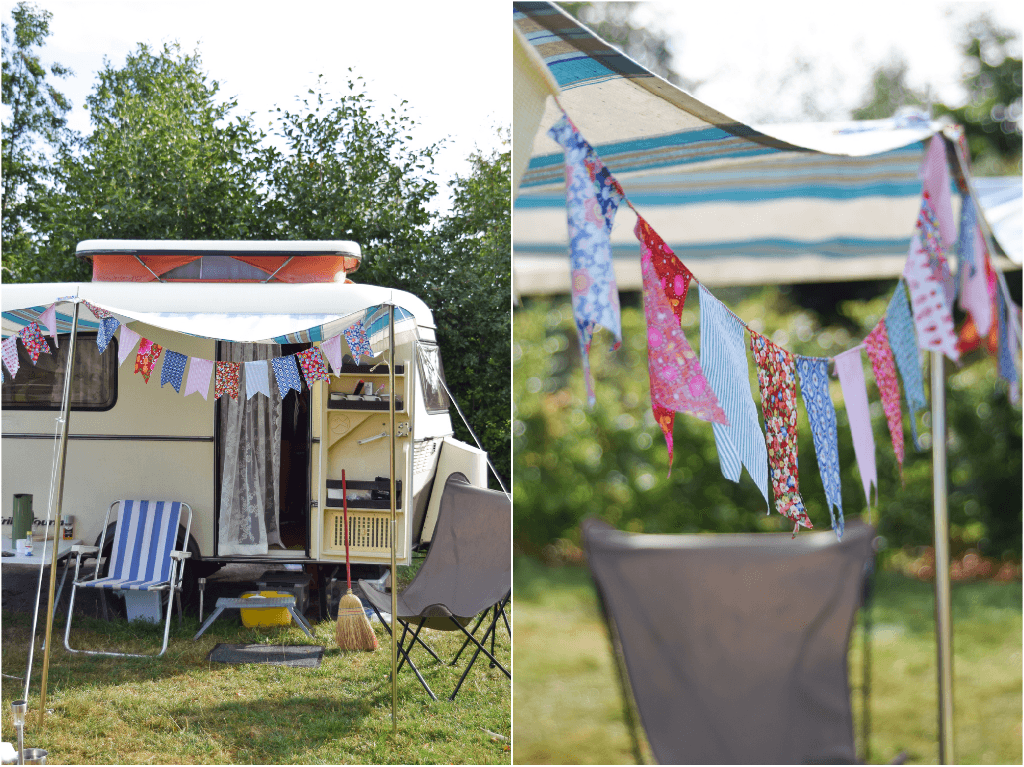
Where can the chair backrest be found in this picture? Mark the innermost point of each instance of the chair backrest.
(735, 646)
(469, 565)
(144, 538)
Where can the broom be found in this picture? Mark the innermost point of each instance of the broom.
(353, 631)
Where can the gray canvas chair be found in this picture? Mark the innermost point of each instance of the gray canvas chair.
(734, 647)
(467, 571)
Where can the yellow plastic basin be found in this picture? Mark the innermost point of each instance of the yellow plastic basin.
(266, 616)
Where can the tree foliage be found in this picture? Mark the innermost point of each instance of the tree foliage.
(34, 131)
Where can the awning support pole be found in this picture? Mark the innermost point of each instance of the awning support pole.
(943, 623)
(394, 520)
(62, 458)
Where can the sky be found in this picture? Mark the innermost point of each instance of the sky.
(450, 60)
(744, 56)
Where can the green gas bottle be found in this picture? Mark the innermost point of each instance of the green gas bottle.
(22, 523)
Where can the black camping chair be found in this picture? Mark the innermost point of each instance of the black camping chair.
(734, 647)
(467, 571)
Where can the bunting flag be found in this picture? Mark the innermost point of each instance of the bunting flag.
(903, 343)
(286, 373)
(173, 370)
(257, 378)
(128, 339)
(935, 183)
(850, 369)
(972, 270)
(49, 320)
(1007, 365)
(34, 342)
(931, 238)
(932, 316)
(677, 381)
(883, 366)
(821, 413)
(673, 276)
(725, 365)
(199, 374)
(313, 367)
(227, 380)
(100, 314)
(145, 360)
(331, 349)
(10, 355)
(595, 295)
(108, 326)
(358, 344)
(776, 378)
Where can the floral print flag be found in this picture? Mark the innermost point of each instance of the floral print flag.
(776, 378)
(227, 380)
(821, 413)
(884, 367)
(145, 360)
(34, 342)
(677, 381)
(358, 344)
(313, 367)
(595, 295)
(10, 355)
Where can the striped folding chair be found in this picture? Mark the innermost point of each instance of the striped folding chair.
(143, 560)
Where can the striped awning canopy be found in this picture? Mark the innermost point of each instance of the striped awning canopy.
(739, 204)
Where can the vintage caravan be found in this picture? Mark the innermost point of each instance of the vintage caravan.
(262, 470)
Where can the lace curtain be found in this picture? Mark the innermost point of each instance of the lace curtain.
(250, 445)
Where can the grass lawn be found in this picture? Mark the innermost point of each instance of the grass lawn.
(568, 707)
(181, 708)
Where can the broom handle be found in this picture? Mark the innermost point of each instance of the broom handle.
(344, 509)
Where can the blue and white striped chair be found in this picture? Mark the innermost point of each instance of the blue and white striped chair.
(142, 559)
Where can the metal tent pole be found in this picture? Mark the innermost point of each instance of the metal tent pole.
(394, 519)
(62, 458)
(943, 624)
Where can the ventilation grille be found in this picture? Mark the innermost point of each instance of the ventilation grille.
(367, 532)
(423, 454)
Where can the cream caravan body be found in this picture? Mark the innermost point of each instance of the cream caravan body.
(133, 439)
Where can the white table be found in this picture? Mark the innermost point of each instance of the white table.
(63, 550)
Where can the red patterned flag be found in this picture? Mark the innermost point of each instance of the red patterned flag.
(884, 366)
(227, 379)
(34, 342)
(313, 367)
(776, 377)
(673, 275)
(145, 360)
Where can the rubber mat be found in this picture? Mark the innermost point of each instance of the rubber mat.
(300, 656)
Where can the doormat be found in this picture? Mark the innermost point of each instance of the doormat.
(299, 656)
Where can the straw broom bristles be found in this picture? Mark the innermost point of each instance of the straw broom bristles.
(354, 631)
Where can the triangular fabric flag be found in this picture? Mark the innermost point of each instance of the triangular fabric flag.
(145, 360)
(49, 320)
(882, 363)
(724, 362)
(776, 377)
(108, 326)
(286, 373)
(10, 355)
(313, 367)
(821, 413)
(903, 341)
(932, 316)
(850, 369)
(358, 344)
(677, 381)
(227, 380)
(173, 370)
(1007, 365)
(33, 341)
(935, 183)
(595, 295)
(331, 349)
(100, 314)
(972, 270)
(257, 378)
(128, 340)
(199, 374)
(671, 273)
(931, 238)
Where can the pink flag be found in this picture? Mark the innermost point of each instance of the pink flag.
(884, 366)
(49, 319)
(128, 340)
(677, 381)
(332, 351)
(10, 355)
(932, 316)
(850, 370)
(934, 175)
(199, 374)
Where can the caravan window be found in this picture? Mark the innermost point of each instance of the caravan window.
(41, 386)
(431, 375)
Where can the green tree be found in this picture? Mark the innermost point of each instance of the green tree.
(890, 92)
(165, 159)
(34, 130)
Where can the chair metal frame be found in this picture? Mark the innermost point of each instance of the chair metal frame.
(172, 586)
